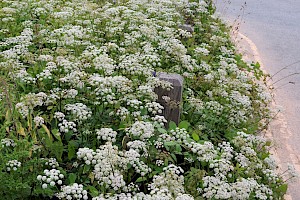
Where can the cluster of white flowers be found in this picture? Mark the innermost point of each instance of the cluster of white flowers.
(161, 120)
(138, 146)
(106, 134)
(79, 110)
(271, 175)
(45, 58)
(109, 163)
(270, 161)
(65, 126)
(162, 194)
(30, 101)
(122, 112)
(71, 93)
(45, 74)
(154, 108)
(201, 51)
(23, 109)
(292, 171)
(248, 140)
(205, 152)
(103, 62)
(155, 82)
(180, 135)
(6, 142)
(226, 149)
(87, 155)
(142, 130)
(242, 189)
(13, 165)
(38, 120)
(74, 191)
(133, 158)
(171, 179)
(50, 178)
(134, 103)
(59, 115)
(221, 167)
(51, 162)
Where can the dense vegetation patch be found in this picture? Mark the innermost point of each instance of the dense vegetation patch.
(78, 111)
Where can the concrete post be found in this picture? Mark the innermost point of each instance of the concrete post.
(172, 99)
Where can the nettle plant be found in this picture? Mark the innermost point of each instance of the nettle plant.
(79, 117)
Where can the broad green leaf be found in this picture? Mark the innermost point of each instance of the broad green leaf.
(283, 188)
(162, 130)
(178, 148)
(68, 135)
(122, 126)
(174, 157)
(140, 179)
(20, 129)
(170, 143)
(172, 125)
(86, 168)
(184, 124)
(72, 178)
(93, 191)
(144, 111)
(57, 148)
(195, 136)
(56, 134)
(71, 150)
(47, 131)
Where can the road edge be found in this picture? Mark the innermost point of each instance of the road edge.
(278, 126)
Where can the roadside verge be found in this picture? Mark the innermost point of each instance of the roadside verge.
(278, 132)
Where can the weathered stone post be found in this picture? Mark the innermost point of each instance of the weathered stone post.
(171, 99)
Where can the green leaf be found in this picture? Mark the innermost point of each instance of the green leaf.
(71, 150)
(268, 143)
(172, 125)
(283, 188)
(47, 131)
(178, 148)
(170, 143)
(20, 129)
(72, 178)
(56, 134)
(57, 148)
(162, 130)
(166, 161)
(118, 105)
(184, 124)
(195, 136)
(144, 111)
(86, 168)
(174, 157)
(230, 135)
(141, 179)
(68, 135)
(93, 191)
(122, 126)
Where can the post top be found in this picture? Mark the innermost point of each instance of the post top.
(175, 79)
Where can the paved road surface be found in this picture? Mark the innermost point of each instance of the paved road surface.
(274, 26)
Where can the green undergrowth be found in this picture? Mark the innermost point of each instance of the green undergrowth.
(80, 119)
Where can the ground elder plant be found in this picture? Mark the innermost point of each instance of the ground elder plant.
(79, 115)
